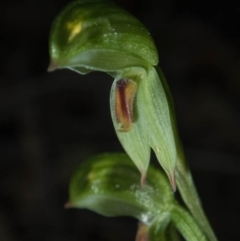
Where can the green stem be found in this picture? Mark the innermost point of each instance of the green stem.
(190, 197)
(186, 225)
(172, 234)
(184, 179)
(157, 231)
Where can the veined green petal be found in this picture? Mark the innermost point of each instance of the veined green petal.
(99, 35)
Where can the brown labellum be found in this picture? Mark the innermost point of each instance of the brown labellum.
(142, 233)
(124, 96)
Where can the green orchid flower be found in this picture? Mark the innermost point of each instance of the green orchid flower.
(100, 184)
(96, 35)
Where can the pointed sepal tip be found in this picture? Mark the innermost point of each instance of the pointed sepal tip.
(52, 66)
(67, 205)
(172, 180)
(143, 179)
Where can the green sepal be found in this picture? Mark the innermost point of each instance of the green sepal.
(156, 124)
(109, 185)
(98, 35)
(153, 123)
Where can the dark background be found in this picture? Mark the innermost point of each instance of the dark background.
(49, 123)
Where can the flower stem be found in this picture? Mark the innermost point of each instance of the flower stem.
(191, 199)
(187, 225)
(183, 174)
